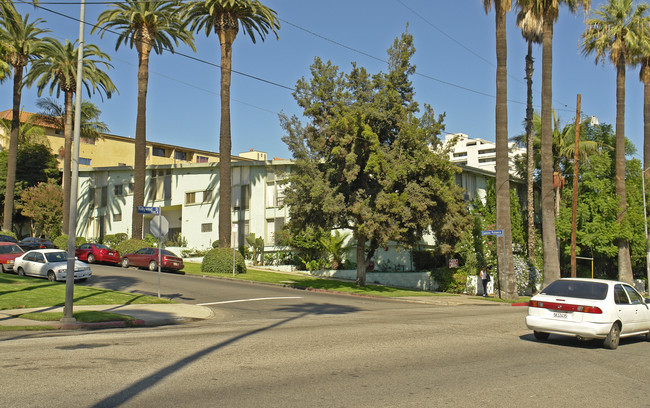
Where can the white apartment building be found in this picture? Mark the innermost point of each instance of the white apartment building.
(478, 153)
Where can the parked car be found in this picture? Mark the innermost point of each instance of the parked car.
(51, 264)
(148, 258)
(29, 243)
(8, 238)
(8, 253)
(589, 309)
(92, 253)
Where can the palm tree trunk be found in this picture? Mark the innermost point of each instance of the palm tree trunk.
(624, 261)
(226, 37)
(140, 159)
(530, 153)
(502, 163)
(7, 221)
(551, 253)
(67, 159)
(646, 131)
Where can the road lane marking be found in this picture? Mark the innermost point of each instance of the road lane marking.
(249, 300)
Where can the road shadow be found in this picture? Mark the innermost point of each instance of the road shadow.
(124, 395)
(574, 342)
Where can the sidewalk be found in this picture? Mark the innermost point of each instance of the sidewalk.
(145, 315)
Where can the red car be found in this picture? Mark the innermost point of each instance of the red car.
(8, 252)
(148, 258)
(92, 253)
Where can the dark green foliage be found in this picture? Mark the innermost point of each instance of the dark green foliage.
(111, 240)
(450, 280)
(219, 260)
(61, 241)
(130, 245)
(427, 260)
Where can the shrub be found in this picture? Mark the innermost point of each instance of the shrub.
(450, 280)
(111, 240)
(130, 246)
(219, 260)
(9, 233)
(61, 242)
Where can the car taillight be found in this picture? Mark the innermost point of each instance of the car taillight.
(164, 258)
(567, 307)
(42, 247)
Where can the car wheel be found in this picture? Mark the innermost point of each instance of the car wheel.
(51, 276)
(91, 258)
(540, 335)
(614, 335)
(125, 262)
(153, 266)
(21, 272)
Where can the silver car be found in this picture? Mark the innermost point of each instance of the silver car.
(589, 309)
(49, 263)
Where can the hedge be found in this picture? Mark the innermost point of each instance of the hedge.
(130, 245)
(61, 241)
(219, 260)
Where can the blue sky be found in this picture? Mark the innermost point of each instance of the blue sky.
(455, 55)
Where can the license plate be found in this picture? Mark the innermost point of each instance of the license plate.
(560, 315)
(175, 263)
(110, 254)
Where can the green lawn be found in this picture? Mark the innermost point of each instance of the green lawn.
(85, 316)
(295, 280)
(18, 292)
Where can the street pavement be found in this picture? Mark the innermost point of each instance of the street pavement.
(177, 313)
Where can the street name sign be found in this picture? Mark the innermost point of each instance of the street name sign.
(148, 210)
(498, 233)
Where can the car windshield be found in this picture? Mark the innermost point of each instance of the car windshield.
(577, 289)
(10, 249)
(100, 246)
(56, 256)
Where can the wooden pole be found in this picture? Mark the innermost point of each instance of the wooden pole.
(574, 207)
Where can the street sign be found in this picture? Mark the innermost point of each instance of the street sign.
(159, 226)
(498, 233)
(148, 210)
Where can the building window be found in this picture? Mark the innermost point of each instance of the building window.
(180, 155)
(241, 197)
(488, 160)
(84, 161)
(118, 190)
(487, 151)
(207, 196)
(207, 227)
(461, 154)
(87, 140)
(160, 187)
(158, 151)
(190, 198)
(201, 159)
(117, 217)
(471, 144)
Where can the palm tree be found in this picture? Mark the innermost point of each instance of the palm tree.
(53, 113)
(20, 44)
(147, 25)
(531, 30)
(223, 17)
(548, 11)
(613, 34)
(506, 265)
(58, 69)
(30, 130)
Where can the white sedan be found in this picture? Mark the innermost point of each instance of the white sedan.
(49, 263)
(589, 309)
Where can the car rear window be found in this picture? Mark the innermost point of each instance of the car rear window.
(168, 253)
(577, 289)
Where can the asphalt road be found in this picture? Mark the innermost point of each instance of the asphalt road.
(279, 347)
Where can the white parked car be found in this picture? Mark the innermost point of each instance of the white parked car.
(49, 263)
(589, 309)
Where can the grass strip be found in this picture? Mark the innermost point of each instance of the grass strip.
(86, 316)
(19, 292)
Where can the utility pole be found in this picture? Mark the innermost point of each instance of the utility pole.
(574, 206)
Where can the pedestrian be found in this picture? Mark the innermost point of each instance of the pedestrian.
(485, 278)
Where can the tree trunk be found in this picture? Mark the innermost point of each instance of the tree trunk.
(226, 37)
(361, 260)
(506, 265)
(530, 154)
(624, 261)
(12, 157)
(645, 70)
(67, 159)
(551, 253)
(140, 159)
